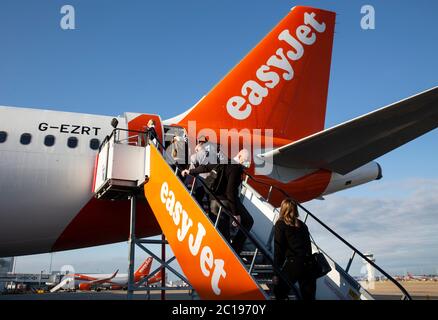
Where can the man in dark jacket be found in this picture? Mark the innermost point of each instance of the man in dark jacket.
(152, 133)
(228, 194)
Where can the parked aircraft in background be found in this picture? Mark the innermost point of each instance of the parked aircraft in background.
(115, 281)
(410, 277)
(419, 278)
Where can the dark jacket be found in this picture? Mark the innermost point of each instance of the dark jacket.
(229, 187)
(291, 242)
(152, 134)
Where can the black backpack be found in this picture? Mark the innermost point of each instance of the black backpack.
(214, 179)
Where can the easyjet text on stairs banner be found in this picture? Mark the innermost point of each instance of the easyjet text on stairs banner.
(206, 259)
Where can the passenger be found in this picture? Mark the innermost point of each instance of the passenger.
(152, 133)
(293, 253)
(176, 154)
(178, 150)
(200, 157)
(228, 193)
(201, 153)
(211, 151)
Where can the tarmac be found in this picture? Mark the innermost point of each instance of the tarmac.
(103, 295)
(383, 290)
(419, 290)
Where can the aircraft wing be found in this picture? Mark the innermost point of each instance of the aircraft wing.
(100, 281)
(350, 145)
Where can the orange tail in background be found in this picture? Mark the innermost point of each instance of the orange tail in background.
(144, 269)
(155, 278)
(281, 84)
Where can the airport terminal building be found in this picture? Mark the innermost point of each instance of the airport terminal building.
(6, 266)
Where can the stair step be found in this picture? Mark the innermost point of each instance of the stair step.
(264, 280)
(262, 273)
(264, 267)
(249, 253)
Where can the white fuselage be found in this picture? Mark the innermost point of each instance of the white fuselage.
(119, 280)
(42, 187)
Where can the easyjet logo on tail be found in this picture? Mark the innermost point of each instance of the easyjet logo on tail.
(253, 93)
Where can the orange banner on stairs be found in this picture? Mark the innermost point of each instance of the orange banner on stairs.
(206, 258)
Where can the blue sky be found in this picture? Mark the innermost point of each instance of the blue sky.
(162, 56)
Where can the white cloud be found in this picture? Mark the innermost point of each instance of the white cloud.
(398, 224)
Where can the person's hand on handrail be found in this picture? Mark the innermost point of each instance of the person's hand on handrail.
(234, 221)
(185, 172)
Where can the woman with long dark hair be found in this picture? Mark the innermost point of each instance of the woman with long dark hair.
(293, 253)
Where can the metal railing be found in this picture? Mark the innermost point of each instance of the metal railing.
(141, 137)
(355, 251)
(260, 248)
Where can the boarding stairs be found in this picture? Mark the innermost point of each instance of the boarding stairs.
(67, 282)
(126, 164)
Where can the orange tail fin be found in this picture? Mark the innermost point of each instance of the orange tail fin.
(281, 84)
(145, 268)
(155, 278)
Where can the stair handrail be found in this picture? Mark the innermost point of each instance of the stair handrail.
(260, 247)
(115, 134)
(406, 295)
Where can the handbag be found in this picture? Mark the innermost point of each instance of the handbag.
(320, 264)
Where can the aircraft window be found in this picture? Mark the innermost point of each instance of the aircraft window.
(94, 144)
(25, 138)
(72, 142)
(3, 136)
(49, 140)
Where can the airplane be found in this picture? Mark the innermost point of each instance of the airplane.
(115, 281)
(410, 277)
(279, 89)
(418, 278)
